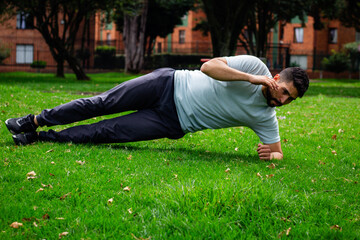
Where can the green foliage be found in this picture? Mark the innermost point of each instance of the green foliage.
(4, 52)
(105, 51)
(337, 62)
(105, 57)
(38, 64)
(181, 189)
(353, 50)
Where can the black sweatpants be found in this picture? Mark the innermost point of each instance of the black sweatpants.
(151, 96)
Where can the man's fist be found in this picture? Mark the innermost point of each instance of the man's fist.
(264, 152)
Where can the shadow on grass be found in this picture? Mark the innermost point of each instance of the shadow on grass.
(204, 155)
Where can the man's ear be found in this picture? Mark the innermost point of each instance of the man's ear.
(277, 77)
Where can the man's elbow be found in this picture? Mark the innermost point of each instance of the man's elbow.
(205, 68)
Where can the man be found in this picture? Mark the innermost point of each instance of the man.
(226, 92)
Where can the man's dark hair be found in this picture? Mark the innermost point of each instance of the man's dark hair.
(298, 76)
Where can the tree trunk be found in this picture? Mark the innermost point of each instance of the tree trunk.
(75, 65)
(134, 39)
(60, 69)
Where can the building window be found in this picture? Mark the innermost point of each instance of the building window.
(333, 35)
(24, 54)
(299, 60)
(108, 39)
(357, 37)
(181, 36)
(24, 21)
(298, 35)
(159, 47)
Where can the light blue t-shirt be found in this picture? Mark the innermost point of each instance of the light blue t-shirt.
(205, 103)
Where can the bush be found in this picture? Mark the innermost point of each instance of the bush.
(352, 49)
(338, 62)
(4, 52)
(38, 64)
(105, 57)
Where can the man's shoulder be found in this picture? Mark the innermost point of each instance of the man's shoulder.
(249, 64)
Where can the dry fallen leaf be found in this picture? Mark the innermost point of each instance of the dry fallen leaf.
(285, 140)
(51, 150)
(111, 200)
(271, 166)
(39, 190)
(334, 152)
(67, 150)
(336, 227)
(321, 162)
(16, 225)
(287, 231)
(31, 174)
(285, 219)
(80, 162)
(258, 174)
(340, 130)
(334, 137)
(140, 238)
(34, 223)
(227, 170)
(129, 157)
(28, 178)
(269, 176)
(127, 188)
(49, 185)
(313, 180)
(46, 216)
(65, 196)
(63, 234)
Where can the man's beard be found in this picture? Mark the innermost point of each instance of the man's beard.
(269, 98)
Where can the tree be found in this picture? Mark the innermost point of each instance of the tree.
(141, 21)
(265, 15)
(59, 22)
(131, 17)
(226, 19)
(163, 16)
(350, 13)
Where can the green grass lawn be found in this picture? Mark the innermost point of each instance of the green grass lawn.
(207, 185)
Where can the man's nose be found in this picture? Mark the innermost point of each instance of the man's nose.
(283, 99)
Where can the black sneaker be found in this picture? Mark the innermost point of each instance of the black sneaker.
(21, 124)
(25, 138)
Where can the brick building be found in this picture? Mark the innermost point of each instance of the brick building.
(292, 43)
(27, 45)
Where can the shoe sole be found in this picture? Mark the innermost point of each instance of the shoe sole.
(7, 125)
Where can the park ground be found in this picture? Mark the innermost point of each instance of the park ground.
(207, 185)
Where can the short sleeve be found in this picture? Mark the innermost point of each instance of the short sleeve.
(267, 131)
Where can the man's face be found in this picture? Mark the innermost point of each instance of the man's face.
(285, 94)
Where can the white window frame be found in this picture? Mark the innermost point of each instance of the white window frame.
(22, 20)
(24, 53)
(298, 35)
(182, 36)
(333, 35)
